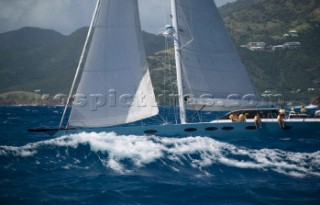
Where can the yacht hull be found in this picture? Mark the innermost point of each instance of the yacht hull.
(216, 129)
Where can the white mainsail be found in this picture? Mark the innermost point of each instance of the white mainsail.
(115, 85)
(209, 62)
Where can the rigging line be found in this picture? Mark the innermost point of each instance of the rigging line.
(189, 30)
(164, 84)
(80, 61)
(197, 113)
(164, 14)
(186, 80)
(168, 72)
(164, 65)
(173, 87)
(164, 71)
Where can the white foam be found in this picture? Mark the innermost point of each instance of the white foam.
(197, 152)
(16, 151)
(113, 164)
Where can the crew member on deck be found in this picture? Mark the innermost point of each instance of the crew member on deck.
(281, 117)
(282, 112)
(303, 110)
(233, 117)
(257, 121)
(242, 117)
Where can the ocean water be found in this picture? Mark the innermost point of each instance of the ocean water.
(103, 168)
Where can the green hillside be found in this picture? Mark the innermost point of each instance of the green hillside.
(33, 58)
(268, 19)
(283, 71)
(48, 60)
(28, 37)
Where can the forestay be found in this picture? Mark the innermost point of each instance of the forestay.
(115, 85)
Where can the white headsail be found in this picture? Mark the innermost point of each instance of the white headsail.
(115, 85)
(209, 61)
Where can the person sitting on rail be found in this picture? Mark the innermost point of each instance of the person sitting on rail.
(242, 117)
(233, 117)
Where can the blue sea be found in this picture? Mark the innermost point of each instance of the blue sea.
(103, 168)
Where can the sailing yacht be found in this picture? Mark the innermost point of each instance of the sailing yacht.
(115, 86)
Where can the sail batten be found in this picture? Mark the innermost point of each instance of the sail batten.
(115, 86)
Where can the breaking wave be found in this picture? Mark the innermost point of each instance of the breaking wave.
(126, 154)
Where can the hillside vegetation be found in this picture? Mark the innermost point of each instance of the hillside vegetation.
(34, 58)
(284, 71)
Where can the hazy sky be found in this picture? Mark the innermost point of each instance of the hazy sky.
(66, 16)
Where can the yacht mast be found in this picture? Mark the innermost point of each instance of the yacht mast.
(178, 62)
